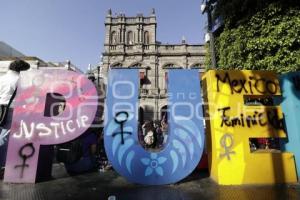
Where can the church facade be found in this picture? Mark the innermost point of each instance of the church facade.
(130, 42)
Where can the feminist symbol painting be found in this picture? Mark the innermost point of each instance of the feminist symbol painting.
(25, 152)
(227, 143)
(121, 118)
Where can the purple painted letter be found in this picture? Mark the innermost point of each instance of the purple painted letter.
(32, 127)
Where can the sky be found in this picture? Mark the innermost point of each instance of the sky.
(60, 30)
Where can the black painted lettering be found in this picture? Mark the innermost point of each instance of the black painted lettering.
(256, 85)
(243, 86)
(260, 120)
(250, 83)
(233, 85)
(235, 121)
(242, 120)
(248, 121)
(271, 87)
(225, 119)
(224, 80)
(274, 120)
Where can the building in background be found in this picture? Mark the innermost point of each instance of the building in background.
(36, 63)
(130, 42)
(9, 54)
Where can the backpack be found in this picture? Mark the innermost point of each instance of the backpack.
(70, 152)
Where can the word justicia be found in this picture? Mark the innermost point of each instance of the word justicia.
(53, 129)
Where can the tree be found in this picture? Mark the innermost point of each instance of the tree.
(259, 35)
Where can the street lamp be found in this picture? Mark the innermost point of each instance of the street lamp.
(207, 7)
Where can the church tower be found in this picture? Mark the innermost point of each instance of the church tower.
(122, 33)
(131, 42)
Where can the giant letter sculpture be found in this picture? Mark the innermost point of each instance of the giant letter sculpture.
(290, 85)
(232, 124)
(30, 128)
(186, 136)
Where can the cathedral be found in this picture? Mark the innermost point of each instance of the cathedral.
(130, 42)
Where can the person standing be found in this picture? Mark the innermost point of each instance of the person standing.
(159, 135)
(150, 137)
(8, 85)
(164, 129)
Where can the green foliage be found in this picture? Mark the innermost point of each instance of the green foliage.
(207, 61)
(267, 37)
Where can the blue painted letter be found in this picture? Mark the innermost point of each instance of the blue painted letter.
(290, 87)
(185, 143)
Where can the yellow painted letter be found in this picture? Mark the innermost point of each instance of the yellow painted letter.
(238, 108)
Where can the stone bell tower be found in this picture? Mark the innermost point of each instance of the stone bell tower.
(130, 42)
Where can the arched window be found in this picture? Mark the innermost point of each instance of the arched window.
(146, 37)
(113, 39)
(130, 38)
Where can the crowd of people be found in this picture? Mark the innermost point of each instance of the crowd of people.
(264, 144)
(153, 134)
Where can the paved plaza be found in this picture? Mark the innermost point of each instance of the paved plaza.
(101, 185)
